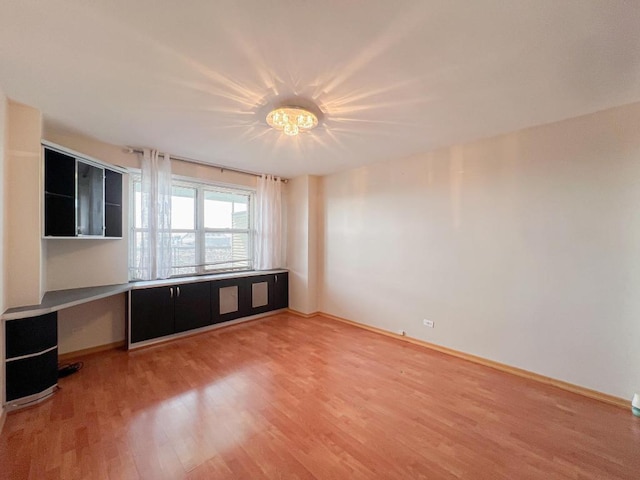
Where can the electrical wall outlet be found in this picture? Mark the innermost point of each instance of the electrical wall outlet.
(428, 323)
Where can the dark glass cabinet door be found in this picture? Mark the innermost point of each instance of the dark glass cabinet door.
(60, 217)
(151, 313)
(60, 194)
(192, 306)
(59, 173)
(112, 203)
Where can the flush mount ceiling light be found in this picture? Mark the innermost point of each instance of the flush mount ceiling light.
(292, 120)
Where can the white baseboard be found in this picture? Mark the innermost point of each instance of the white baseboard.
(586, 392)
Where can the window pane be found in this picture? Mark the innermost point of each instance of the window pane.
(226, 210)
(193, 249)
(226, 247)
(183, 208)
(183, 249)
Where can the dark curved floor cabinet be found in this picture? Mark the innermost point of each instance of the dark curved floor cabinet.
(31, 354)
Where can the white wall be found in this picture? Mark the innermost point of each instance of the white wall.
(23, 209)
(523, 248)
(3, 273)
(3, 148)
(301, 243)
(313, 252)
(92, 324)
(77, 263)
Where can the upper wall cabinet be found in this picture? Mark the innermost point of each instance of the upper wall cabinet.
(82, 197)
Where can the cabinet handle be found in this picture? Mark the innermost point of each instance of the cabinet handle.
(276, 278)
(171, 290)
(178, 288)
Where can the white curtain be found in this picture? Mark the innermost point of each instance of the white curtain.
(268, 240)
(155, 243)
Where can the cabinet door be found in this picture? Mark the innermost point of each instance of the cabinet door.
(261, 290)
(90, 199)
(31, 375)
(151, 313)
(27, 336)
(112, 203)
(281, 290)
(192, 306)
(229, 299)
(60, 216)
(59, 173)
(31, 355)
(60, 194)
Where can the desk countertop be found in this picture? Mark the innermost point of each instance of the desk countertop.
(59, 299)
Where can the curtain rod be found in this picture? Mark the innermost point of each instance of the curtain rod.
(200, 162)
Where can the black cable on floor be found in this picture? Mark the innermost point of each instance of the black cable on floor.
(67, 369)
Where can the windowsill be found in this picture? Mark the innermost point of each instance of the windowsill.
(137, 284)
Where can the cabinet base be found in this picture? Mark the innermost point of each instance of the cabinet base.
(31, 399)
(195, 331)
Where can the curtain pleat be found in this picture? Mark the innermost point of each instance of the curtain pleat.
(155, 244)
(268, 224)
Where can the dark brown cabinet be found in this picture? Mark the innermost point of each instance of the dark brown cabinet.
(157, 312)
(152, 310)
(266, 293)
(234, 298)
(59, 194)
(112, 204)
(31, 358)
(229, 298)
(192, 306)
(281, 291)
(82, 198)
(161, 311)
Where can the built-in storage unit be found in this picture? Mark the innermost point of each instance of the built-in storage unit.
(157, 312)
(162, 311)
(82, 197)
(31, 359)
(31, 343)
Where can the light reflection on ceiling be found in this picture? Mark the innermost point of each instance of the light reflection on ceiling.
(392, 79)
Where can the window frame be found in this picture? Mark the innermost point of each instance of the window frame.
(200, 186)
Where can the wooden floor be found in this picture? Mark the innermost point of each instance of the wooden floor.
(286, 398)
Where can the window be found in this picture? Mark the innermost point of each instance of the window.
(211, 228)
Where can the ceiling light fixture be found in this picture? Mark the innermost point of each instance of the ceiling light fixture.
(292, 120)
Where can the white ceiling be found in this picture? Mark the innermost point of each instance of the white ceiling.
(393, 78)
